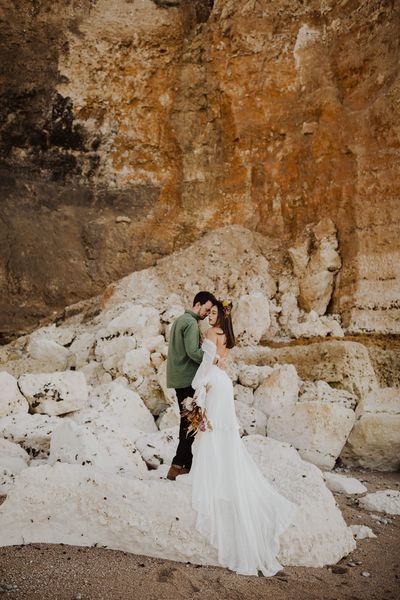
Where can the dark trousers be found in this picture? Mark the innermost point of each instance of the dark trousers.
(183, 454)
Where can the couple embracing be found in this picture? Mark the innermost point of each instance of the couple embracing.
(238, 510)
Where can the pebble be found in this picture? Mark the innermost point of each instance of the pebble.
(365, 574)
(78, 596)
(351, 563)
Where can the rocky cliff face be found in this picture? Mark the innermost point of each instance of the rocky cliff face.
(129, 128)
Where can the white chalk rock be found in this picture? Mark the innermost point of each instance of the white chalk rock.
(374, 442)
(137, 320)
(172, 313)
(55, 356)
(169, 393)
(120, 403)
(55, 393)
(381, 400)
(251, 375)
(251, 420)
(156, 343)
(251, 318)
(127, 514)
(323, 392)
(11, 399)
(32, 432)
(316, 429)
(387, 501)
(12, 460)
(111, 351)
(170, 418)
(156, 359)
(344, 485)
(96, 445)
(60, 334)
(150, 391)
(158, 448)
(136, 364)
(361, 532)
(243, 394)
(278, 390)
(94, 373)
(83, 348)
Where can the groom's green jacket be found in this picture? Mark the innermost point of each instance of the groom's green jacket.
(184, 354)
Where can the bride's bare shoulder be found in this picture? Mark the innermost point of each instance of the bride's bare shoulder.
(211, 334)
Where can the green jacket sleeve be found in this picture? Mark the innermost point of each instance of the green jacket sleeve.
(191, 340)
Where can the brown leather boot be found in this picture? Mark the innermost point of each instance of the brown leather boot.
(176, 470)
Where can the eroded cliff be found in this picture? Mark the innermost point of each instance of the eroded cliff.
(130, 128)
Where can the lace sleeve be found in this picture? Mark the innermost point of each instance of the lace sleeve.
(201, 378)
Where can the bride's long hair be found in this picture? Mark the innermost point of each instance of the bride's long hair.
(224, 321)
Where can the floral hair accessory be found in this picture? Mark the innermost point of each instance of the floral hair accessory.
(227, 304)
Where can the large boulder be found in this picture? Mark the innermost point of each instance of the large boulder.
(342, 364)
(251, 318)
(121, 404)
(91, 507)
(97, 445)
(137, 320)
(279, 389)
(316, 429)
(54, 393)
(110, 350)
(374, 442)
(323, 392)
(11, 399)
(49, 352)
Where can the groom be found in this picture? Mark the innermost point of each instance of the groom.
(184, 358)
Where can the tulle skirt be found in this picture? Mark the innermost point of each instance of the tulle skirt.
(240, 513)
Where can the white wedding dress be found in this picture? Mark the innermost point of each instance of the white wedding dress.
(238, 510)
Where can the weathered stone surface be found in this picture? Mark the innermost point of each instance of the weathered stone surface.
(32, 432)
(121, 404)
(97, 445)
(323, 392)
(315, 264)
(278, 390)
(164, 114)
(55, 356)
(251, 419)
(158, 448)
(250, 317)
(316, 429)
(374, 443)
(12, 460)
(55, 393)
(11, 399)
(243, 394)
(387, 501)
(375, 439)
(342, 364)
(92, 507)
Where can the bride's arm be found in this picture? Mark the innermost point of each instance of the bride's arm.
(201, 378)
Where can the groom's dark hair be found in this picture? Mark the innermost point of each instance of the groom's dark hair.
(204, 297)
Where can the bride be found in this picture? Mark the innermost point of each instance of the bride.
(238, 510)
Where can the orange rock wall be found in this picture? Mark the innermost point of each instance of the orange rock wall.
(183, 119)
